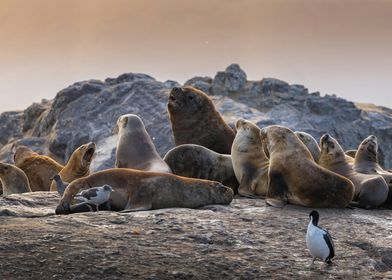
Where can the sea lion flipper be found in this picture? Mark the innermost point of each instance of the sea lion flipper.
(277, 188)
(245, 187)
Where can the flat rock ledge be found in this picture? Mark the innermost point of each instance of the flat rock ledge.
(246, 240)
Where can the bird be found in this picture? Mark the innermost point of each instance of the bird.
(96, 196)
(319, 241)
(61, 186)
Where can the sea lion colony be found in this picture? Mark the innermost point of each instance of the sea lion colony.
(210, 164)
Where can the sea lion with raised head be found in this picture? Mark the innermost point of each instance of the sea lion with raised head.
(78, 165)
(194, 120)
(13, 179)
(249, 160)
(310, 143)
(136, 190)
(39, 169)
(135, 148)
(195, 161)
(294, 177)
(367, 162)
(370, 190)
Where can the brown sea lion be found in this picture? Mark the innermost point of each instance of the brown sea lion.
(78, 165)
(366, 159)
(310, 143)
(294, 177)
(370, 190)
(136, 190)
(367, 162)
(195, 161)
(135, 148)
(249, 160)
(39, 169)
(13, 179)
(194, 120)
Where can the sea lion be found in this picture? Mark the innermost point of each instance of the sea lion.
(370, 190)
(294, 177)
(195, 161)
(367, 162)
(135, 148)
(38, 168)
(136, 190)
(249, 160)
(194, 120)
(77, 166)
(366, 159)
(310, 143)
(13, 179)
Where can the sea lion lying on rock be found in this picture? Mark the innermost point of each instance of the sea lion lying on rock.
(136, 190)
(195, 161)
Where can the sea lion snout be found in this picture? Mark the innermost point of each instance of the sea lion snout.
(325, 138)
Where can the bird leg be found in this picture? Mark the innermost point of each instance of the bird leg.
(107, 205)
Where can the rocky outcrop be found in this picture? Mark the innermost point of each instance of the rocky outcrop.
(87, 111)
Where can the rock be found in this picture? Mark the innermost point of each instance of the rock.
(202, 83)
(229, 81)
(87, 111)
(246, 240)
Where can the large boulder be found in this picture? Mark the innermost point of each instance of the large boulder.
(87, 111)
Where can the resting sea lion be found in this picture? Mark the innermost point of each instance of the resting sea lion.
(310, 143)
(194, 120)
(294, 177)
(39, 169)
(195, 161)
(135, 148)
(370, 190)
(366, 159)
(13, 179)
(249, 160)
(367, 162)
(137, 190)
(78, 165)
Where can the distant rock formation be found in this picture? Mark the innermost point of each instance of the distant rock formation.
(87, 111)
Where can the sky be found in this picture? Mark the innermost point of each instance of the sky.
(341, 47)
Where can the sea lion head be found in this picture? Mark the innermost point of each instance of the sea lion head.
(310, 143)
(331, 151)
(188, 100)
(21, 153)
(368, 149)
(5, 169)
(81, 158)
(248, 130)
(130, 122)
(277, 137)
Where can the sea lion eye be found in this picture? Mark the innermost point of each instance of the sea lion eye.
(190, 97)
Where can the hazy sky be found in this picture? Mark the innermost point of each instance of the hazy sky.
(341, 47)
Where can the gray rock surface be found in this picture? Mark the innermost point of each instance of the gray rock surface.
(87, 111)
(246, 240)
